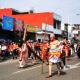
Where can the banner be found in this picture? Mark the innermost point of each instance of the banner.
(31, 28)
(47, 27)
(18, 25)
(7, 23)
(44, 25)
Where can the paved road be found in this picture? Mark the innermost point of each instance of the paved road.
(9, 71)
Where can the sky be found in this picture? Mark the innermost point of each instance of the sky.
(69, 10)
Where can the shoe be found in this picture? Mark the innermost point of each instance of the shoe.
(64, 67)
(61, 67)
(49, 76)
(21, 66)
(58, 73)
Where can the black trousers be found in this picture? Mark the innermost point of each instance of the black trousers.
(63, 60)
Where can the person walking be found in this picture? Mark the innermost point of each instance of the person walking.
(23, 55)
(54, 54)
(78, 50)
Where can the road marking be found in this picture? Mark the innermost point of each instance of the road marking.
(25, 70)
(70, 67)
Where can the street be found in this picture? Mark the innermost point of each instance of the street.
(40, 41)
(9, 71)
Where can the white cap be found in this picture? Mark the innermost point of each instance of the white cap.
(52, 35)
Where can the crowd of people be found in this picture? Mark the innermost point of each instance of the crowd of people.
(51, 52)
(8, 50)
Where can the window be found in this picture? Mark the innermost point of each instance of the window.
(54, 24)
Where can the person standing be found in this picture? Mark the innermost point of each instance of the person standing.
(44, 51)
(63, 55)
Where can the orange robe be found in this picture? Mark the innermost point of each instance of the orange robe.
(67, 50)
(43, 50)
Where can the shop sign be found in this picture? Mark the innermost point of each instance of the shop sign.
(8, 23)
(31, 28)
(47, 27)
(19, 25)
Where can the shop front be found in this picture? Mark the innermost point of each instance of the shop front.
(31, 32)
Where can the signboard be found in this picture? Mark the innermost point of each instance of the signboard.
(8, 23)
(44, 25)
(47, 27)
(19, 25)
(31, 28)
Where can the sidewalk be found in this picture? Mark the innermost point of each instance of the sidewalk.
(9, 61)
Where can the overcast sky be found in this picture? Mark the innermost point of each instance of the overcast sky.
(68, 9)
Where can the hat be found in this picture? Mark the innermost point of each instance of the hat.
(52, 35)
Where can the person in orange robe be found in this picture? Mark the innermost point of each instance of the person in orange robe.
(67, 50)
(44, 50)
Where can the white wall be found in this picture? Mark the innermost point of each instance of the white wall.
(42, 37)
(62, 26)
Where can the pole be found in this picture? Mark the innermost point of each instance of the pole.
(44, 40)
(42, 63)
(25, 30)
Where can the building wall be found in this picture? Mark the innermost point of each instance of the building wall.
(5, 12)
(35, 19)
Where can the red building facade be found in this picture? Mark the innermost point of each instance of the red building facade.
(34, 19)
